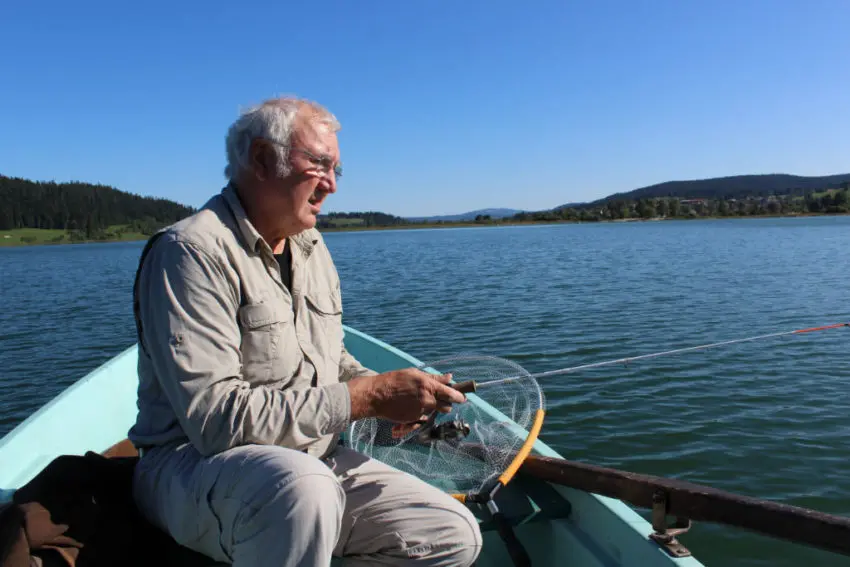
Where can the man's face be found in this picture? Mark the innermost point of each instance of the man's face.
(313, 156)
(298, 198)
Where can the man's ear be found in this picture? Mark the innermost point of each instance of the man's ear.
(262, 160)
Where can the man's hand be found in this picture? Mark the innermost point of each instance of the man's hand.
(402, 396)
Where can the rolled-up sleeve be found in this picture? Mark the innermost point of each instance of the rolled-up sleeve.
(188, 302)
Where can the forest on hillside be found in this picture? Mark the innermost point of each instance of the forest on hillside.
(733, 187)
(84, 209)
(741, 196)
(831, 201)
(821, 201)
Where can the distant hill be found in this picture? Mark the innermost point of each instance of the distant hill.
(492, 213)
(733, 187)
(84, 207)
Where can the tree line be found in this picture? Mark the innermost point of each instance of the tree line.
(734, 187)
(369, 218)
(85, 209)
(830, 202)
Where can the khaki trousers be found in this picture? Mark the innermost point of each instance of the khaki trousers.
(266, 506)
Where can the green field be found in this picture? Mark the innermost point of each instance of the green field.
(820, 194)
(35, 236)
(346, 222)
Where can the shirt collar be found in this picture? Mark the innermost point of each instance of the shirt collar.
(249, 234)
(305, 241)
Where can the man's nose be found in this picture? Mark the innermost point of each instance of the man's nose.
(329, 182)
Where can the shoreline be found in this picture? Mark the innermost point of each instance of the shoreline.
(468, 224)
(497, 223)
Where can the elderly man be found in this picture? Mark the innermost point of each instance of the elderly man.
(245, 384)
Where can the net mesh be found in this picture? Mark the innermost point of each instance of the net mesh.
(467, 449)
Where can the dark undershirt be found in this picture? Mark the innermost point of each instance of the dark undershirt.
(284, 260)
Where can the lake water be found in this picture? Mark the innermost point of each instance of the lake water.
(769, 419)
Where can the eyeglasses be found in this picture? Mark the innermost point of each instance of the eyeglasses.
(324, 163)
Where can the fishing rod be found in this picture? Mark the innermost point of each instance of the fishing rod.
(470, 386)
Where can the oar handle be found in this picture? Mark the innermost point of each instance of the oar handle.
(467, 387)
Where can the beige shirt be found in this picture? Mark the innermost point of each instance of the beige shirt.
(228, 356)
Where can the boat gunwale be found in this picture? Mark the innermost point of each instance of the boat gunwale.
(65, 393)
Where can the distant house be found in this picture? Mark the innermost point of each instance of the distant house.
(693, 201)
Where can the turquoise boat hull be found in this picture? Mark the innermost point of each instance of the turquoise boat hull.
(559, 526)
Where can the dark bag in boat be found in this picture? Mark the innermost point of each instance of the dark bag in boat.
(79, 512)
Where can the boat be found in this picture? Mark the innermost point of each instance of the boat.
(557, 525)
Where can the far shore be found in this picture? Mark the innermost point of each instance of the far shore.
(496, 223)
(47, 237)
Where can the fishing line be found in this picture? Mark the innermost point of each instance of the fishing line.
(629, 359)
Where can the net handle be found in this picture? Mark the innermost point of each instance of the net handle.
(521, 455)
(509, 473)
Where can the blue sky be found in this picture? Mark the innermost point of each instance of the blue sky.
(446, 106)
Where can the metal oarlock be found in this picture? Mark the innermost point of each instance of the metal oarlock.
(665, 535)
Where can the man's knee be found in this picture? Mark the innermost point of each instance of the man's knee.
(281, 502)
(272, 476)
(303, 495)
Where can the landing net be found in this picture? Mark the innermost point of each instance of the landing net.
(467, 449)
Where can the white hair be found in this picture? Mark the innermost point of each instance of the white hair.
(271, 120)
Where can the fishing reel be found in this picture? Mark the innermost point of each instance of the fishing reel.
(448, 431)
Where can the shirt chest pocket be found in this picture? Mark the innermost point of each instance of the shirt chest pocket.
(325, 310)
(269, 345)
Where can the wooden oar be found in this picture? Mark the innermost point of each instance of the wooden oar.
(689, 501)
